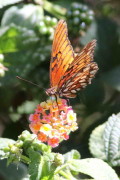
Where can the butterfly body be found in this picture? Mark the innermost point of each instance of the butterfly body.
(51, 91)
(69, 73)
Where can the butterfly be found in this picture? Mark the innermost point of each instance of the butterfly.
(69, 73)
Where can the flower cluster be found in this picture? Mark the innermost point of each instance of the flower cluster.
(53, 121)
(80, 17)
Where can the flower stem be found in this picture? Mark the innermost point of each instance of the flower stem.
(60, 168)
(64, 174)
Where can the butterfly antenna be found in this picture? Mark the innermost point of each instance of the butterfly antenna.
(29, 82)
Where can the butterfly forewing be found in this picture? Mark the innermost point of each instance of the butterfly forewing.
(62, 53)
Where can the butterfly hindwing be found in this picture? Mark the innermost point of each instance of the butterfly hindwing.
(80, 72)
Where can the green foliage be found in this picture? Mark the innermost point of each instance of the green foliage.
(96, 143)
(23, 15)
(13, 171)
(71, 155)
(35, 167)
(112, 140)
(80, 17)
(19, 34)
(4, 147)
(87, 166)
(44, 164)
(7, 2)
(104, 141)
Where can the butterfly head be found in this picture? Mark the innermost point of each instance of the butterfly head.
(51, 91)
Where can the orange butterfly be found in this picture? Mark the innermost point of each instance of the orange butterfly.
(69, 73)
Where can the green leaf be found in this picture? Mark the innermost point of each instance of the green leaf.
(23, 15)
(96, 168)
(8, 39)
(73, 154)
(112, 78)
(40, 166)
(13, 171)
(13, 38)
(116, 159)
(96, 142)
(36, 165)
(8, 2)
(112, 138)
(48, 169)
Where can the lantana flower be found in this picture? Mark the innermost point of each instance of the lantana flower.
(53, 121)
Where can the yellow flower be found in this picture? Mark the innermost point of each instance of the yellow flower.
(71, 116)
(46, 129)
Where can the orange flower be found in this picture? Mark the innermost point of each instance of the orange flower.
(34, 117)
(35, 127)
(42, 137)
(53, 142)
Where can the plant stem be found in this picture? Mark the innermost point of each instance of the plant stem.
(56, 10)
(25, 159)
(64, 174)
(60, 168)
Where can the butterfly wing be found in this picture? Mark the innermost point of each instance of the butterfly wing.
(79, 73)
(62, 53)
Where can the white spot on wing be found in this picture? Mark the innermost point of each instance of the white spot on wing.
(65, 90)
(70, 84)
(73, 91)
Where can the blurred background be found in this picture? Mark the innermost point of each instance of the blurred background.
(26, 35)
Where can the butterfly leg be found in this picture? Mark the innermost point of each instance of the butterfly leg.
(56, 98)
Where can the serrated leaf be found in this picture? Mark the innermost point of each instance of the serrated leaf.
(8, 2)
(73, 154)
(96, 142)
(96, 168)
(112, 137)
(116, 160)
(23, 15)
